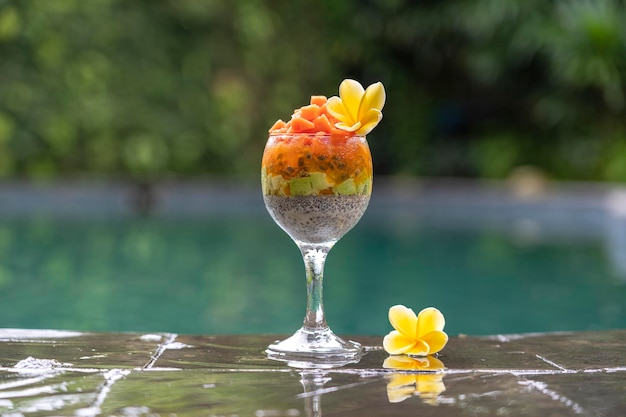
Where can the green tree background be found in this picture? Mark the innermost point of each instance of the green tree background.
(188, 88)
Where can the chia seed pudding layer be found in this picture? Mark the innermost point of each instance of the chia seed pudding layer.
(316, 218)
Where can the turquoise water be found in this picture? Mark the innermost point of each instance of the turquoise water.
(240, 273)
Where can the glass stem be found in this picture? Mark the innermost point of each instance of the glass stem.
(314, 259)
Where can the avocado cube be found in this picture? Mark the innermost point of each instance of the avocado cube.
(301, 186)
(348, 187)
(319, 181)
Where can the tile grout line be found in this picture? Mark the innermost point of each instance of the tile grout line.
(162, 348)
(551, 363)
(111, 378)
(114, 375)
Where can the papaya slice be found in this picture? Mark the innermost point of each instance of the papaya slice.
(318, 100)
(300, 124)
(278, 125)
(322, 124)
(310, 112)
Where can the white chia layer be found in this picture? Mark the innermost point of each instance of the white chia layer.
(317, 219)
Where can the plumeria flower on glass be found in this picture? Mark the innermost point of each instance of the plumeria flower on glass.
(420, 376)
(358, 110)
(416, 335)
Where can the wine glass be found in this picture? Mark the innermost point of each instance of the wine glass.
(316, 187)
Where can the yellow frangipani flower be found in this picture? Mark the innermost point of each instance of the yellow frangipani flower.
(419, 335)
(420, 376)
(357, 110)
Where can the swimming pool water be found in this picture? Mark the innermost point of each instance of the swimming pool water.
(240, 273)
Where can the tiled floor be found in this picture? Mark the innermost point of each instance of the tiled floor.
(56, 373)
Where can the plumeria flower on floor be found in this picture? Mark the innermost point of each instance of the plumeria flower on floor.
(419, 335)
(420, 376)
(358, 110)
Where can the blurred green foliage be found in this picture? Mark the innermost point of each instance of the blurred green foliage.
(161, 88)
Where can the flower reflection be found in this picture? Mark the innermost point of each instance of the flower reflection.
(421, 376)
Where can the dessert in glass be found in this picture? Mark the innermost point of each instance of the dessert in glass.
(316, 178)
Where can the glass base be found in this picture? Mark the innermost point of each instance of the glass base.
(319, 348)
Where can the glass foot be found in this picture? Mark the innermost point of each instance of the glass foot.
(315, 349)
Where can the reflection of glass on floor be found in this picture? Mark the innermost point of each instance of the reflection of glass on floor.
(313, 382)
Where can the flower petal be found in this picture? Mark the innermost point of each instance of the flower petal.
(395, 343)
(351, 92)
(370, 121)
(348, 128)
(336, 108)
(429, 319)
(404, 320)
(420, 348)
(373, 98)
(436, 340)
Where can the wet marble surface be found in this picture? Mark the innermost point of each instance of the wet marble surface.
(57, 373)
